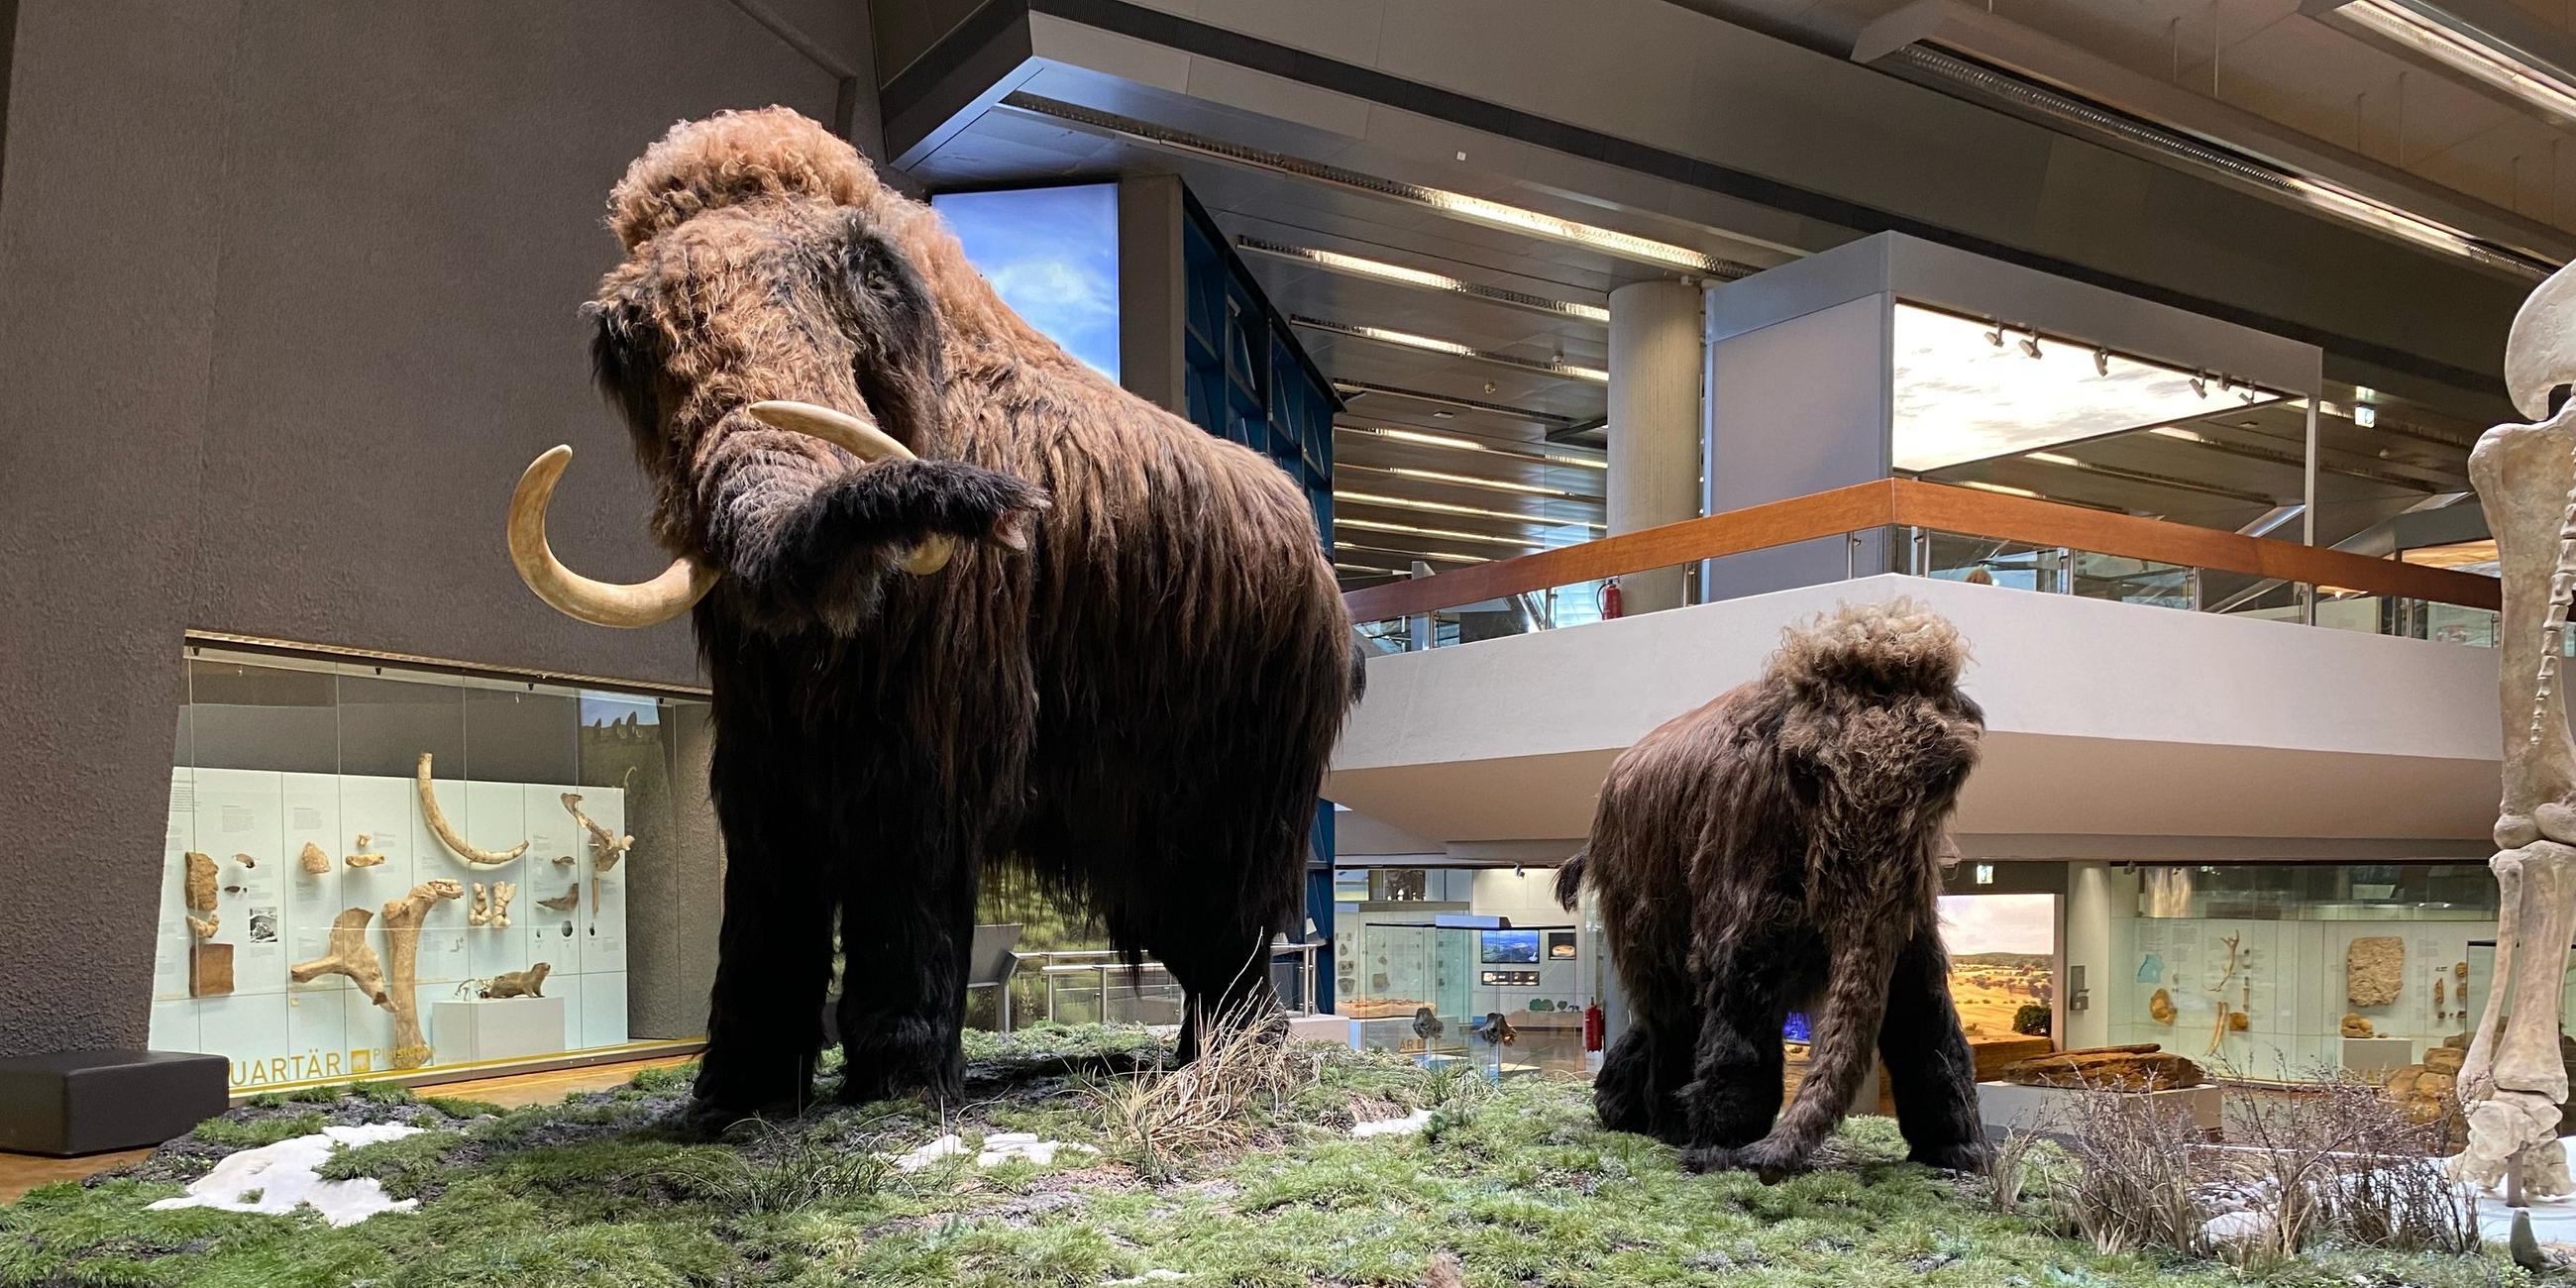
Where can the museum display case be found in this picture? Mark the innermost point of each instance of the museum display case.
(374, 870)
(1504, 998)
(2286, 971)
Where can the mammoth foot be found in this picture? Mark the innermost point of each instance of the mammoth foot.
(1953, 1158)
(707, 1120)
(1770, 1160)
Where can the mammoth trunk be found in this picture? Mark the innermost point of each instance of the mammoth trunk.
(1845, 1035)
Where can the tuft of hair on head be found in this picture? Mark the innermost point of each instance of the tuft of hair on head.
(731, 158)
(1895, 645)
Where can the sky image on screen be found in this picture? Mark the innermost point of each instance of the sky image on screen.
(1052, 255)
(1507, 947)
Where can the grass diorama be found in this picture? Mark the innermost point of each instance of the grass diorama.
(1243, 1169)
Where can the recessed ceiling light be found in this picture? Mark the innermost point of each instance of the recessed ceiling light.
(1994, 487)
(1451, 348)
(1444, 414)
(1443, 534)
(2448, 40)
(1444, 507)
(1455, 443)
(2052, 458)
(1358, 548)
(1461, 480)
(1380, 270)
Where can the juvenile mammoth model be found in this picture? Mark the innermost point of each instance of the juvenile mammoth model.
(1779, 850)
(963, 601)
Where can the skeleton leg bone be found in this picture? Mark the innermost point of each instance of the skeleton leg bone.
(2513, 1098)
(2524, 475)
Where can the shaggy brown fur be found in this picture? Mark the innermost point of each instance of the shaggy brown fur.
(1781, 847)
(1135, 712)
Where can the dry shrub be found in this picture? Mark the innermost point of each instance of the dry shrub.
(2332, 1159)
(2008, 1175)
(1247, 1068)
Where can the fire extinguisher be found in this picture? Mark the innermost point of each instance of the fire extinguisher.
(1608, 600)
(1592, 1026)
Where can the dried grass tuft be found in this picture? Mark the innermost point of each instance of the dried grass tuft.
(1246, 1071)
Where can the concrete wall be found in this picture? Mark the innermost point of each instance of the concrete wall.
(292, 301)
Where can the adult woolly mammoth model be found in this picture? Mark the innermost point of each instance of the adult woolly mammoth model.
(963, 601)
(1780, 849)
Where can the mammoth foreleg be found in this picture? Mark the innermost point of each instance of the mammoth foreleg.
(1929, 1069)
(773, 963)
(1734, 1090)
(906, 923)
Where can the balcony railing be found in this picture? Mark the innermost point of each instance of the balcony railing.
(1940, 531)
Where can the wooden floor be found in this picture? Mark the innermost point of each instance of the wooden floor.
(20, 1173)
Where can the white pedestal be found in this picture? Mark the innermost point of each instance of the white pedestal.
(2372, 1058)
(470, 1030)
(2015, 1107)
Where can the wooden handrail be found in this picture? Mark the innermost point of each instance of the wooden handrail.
(1932, 506)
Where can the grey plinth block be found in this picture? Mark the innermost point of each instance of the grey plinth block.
(87, 1102)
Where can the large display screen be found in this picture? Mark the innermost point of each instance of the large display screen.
(1052, 255)
(1507, 947)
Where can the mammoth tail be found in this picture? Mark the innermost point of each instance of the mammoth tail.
(1569, 879)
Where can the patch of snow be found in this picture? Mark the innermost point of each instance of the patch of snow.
(285, 1177)
(998, 1147)
(2552, 1220)
(1411, 1122)
(2228, 1227)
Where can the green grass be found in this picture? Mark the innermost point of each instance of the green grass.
(1518, 1182)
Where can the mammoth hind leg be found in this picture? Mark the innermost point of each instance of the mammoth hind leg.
(907, 921)
(1224, 974)
(1930, 1072)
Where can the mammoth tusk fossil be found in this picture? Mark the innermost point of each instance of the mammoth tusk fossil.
(600, 603)
(438, 823)
(862, 440)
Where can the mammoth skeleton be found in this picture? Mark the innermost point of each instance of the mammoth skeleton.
(2514, 1082)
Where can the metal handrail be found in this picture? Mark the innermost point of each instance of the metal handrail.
(1897, 503)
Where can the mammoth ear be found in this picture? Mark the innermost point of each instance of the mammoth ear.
(626, 361)
(896, 330)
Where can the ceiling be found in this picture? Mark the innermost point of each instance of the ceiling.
(1537, 482)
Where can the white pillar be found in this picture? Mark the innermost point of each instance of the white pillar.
(2099, 901)
(1654, 423)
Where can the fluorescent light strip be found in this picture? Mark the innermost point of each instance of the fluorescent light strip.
(1351, 389)
(1465, 480)
(2461, 48)
(1434, 344)
(1619, 245)
(1443, 507)
(1422, 438)
(1357, 548)
(2352, 207)
(1995, 487)
(1444, 534)
(1380, 270)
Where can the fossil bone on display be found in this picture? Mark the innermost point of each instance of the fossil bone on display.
(205, 927)
(364, 857)
(403, 917)
(479, 911)
(348, 954)
(314, 859)
(2513, 1081)
(447, 836)
(606, 847)
(2374, 967)
(502, 893)
(245, 860)
(519, 983)
(2229, 1021)
(210, 970)
(201, 884)
(565, 902)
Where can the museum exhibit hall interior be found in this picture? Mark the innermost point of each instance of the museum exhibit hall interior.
(1364, 642)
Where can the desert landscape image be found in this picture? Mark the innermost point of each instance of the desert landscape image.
(2003, 952)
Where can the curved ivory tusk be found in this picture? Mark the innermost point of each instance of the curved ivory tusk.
(437, 820)
(862, 440)
(2540, 350)
(600, 603)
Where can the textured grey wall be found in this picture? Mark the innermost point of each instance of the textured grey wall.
(292, 291)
